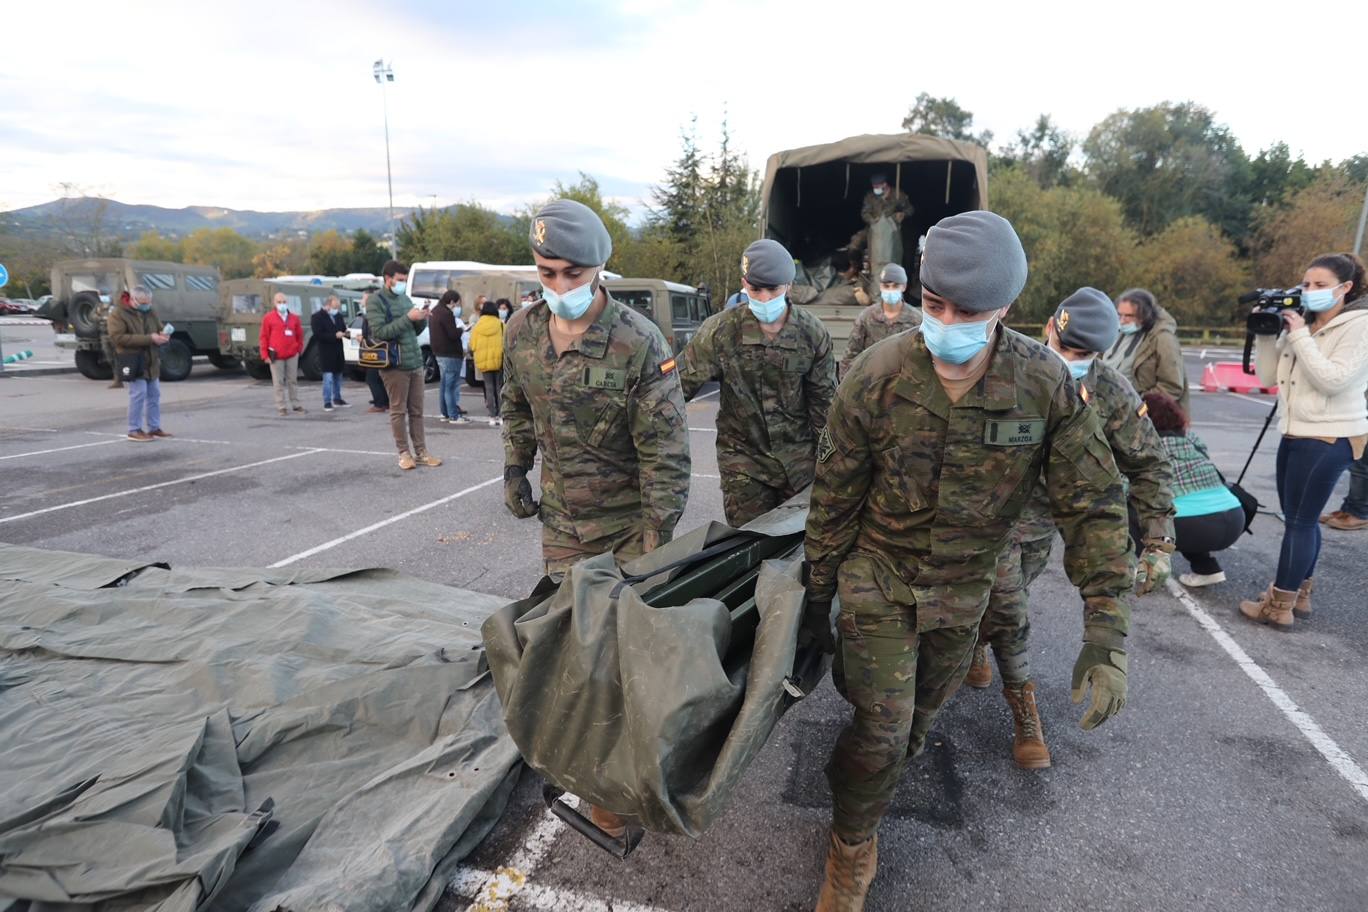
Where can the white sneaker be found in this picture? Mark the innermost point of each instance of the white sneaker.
(459, 420)
(1198, 580)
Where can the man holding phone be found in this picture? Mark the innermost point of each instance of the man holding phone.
(393, 317)
(132, 329)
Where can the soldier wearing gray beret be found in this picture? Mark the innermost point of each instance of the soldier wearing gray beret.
(894, 273)
(1086, 321)
(975, 261)
(566, 230)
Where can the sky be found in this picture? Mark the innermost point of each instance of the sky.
(272, 106)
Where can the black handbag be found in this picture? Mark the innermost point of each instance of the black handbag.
(377, 355)
(132, 365)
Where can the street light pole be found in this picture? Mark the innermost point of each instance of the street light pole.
(383, 74)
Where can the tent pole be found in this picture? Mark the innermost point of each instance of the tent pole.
(949, 169)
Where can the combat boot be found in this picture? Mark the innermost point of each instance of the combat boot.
(423, 457)
(980, 670)
(849, 872)
(1028, 743)
(1273, 607)
(612, 824)
(1302, 608)
(406, 461)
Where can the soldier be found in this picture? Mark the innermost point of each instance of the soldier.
(934, 443)
(775, 365)
(1082, 327)
(846, 290)
(591, 384)
(884, 239)
(879, 321)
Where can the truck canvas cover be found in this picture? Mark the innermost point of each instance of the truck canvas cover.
(240, 739)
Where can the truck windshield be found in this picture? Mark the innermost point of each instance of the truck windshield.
(102, 283)
(640, 301)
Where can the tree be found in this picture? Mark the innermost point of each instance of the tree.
(1194, 270)
(945, 118)
(288, 257)
(1168, 161)
(330, 254)
(152, 246)
(1073, 236)
(466, 231)
(1043, 153)
(222, 247)
(1320, 219)
(368, 253)
(679, 199)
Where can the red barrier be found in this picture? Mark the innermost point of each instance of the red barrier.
(1230, 376)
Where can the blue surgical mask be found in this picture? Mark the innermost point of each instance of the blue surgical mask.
(1079, 369)
(282, 309)
(571, 305)
(1129, 329)
(891, 297)
(954, 343)
(145, 308)
(400, 287)
(768, 311)
(1318, 300)
(878, 191)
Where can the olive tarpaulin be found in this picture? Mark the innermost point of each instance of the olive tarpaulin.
(240, 739)
(649, 689)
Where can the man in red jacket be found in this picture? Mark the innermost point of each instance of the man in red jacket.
(282, 339)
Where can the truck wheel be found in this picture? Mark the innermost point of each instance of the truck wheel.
(92, 364)
(431, 371)
(309, 366)
(82, 314)
(224, 362)
(176, 361)
(258, 370)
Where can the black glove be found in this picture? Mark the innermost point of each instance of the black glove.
(518, 492)
(817, 624)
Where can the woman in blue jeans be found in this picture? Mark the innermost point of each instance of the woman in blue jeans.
(1320, 366)
(444, 337)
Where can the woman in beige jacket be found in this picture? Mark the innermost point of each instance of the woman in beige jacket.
(1320, 365)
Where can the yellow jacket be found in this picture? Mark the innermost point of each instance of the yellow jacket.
(486, 343)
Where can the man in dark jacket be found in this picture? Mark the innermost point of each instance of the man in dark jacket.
(444, 337)
(329, 329)
(393, 317)
(135, 332)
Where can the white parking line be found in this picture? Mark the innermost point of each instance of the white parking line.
(704, 430)
(152, 487)
(1310, 729)
(382, 523)
(707, 394)
(534, 896)
(494, 892)
(79, 446)
(1265, 401)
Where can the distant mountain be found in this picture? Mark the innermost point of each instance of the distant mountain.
(126, 221)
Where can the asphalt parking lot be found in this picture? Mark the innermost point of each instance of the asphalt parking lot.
(1233, 780)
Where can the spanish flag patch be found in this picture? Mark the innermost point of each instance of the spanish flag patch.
(667, 365)
(1084, 394)
(1144, 410)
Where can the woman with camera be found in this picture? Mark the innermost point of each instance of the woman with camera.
(1320, 366)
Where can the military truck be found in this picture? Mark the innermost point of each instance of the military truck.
(677, 309)
(811, 198)
(243, 303)
(185, 296)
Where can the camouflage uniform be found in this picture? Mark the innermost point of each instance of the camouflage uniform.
(891, 203)
(775, 395)
(872, 325)
(1140, 457)
(607, 416)
(914, 499)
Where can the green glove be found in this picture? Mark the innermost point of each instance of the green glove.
(1153, 570)
(518, 492)
(1105, 670)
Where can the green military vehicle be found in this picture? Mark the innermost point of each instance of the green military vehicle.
(811, 203)
(677, 309)
(243, 303)
(83, 291)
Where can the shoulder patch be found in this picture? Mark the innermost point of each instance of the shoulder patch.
(667, 365)
(825, 447)
(1084, 394)
(1143, 411)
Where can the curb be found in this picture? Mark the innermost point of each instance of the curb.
(36, 371)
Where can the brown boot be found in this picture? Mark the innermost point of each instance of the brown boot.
(849, 872)
(1346, 522)
(980, 670)
(612, 824)
(1028, 743)
(1302, 608)
(1273, 607)
(406, 460)
(427, 459)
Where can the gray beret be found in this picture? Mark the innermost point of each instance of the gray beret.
(975, 261)
(567, 230)
(1087, 321)
(892, 272)
(766, 262)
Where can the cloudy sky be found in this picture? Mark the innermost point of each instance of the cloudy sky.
(272, 105)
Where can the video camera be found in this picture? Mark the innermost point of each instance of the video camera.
(1269, 306)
